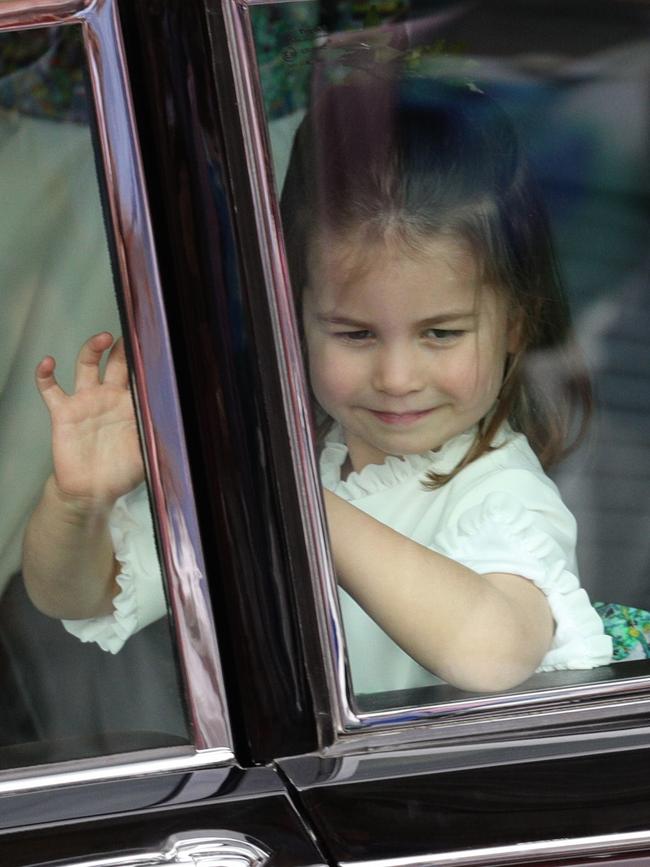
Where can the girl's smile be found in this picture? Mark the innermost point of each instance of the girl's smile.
(401, 418)
(406, 348)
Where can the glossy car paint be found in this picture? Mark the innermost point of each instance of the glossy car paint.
(401, 804)
(103, 820)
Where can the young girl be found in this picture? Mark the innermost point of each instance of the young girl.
(429, 300)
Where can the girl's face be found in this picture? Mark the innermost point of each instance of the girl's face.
(405, 349)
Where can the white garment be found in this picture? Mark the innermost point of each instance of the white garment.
(499, 514)
(141, 600)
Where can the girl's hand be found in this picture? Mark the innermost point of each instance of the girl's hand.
(95, 443)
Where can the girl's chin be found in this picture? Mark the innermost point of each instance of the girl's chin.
(399, 446)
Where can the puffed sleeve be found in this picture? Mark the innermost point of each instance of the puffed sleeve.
(505, 533)
(141, 599)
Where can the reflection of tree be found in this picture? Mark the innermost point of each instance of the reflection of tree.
(284, 37)
(289, 37)
(42, 73)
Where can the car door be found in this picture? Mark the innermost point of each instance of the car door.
(555, 769)
(115, 753)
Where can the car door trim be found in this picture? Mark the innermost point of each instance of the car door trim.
(580, 847)
(117, 766)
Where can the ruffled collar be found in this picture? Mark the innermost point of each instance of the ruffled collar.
(394, 470)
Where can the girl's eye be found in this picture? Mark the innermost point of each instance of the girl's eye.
(356, 336)
(444, 335)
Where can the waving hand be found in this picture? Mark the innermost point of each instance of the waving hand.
(95, 443)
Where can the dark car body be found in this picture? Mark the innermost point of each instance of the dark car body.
(277, 764)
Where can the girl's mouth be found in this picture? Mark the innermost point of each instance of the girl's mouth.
(400, 418)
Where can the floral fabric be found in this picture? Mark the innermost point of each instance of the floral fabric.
(629, 629)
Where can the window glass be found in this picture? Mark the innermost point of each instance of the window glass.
(81, 690)
(465, 212)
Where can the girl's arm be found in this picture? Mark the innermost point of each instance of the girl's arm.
(68, 562)
(477, 632)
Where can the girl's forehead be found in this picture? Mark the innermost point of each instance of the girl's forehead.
(343, 267)
(361, 250)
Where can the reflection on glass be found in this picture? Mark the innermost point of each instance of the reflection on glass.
(62, 698)
(430, 286)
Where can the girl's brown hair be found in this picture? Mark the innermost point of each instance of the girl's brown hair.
(425, 158)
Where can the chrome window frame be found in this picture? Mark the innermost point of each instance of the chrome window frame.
(598, 847)
(574, 704)
(158, 408)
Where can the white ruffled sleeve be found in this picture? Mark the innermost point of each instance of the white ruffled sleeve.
(141, 599)
(501, 535)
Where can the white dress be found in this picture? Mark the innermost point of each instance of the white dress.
(499, 514)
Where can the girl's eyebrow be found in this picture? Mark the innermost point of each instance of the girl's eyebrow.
(339, 320)
(446, 316)
(450, 316)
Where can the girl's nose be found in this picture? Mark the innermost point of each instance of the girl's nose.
(398, 371)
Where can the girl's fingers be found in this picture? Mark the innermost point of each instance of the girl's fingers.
(49, 388)
(117, 373)
(90, 354)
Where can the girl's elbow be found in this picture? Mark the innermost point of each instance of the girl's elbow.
(509, 655)
(491, 679)
(500, 678)
(495, 669)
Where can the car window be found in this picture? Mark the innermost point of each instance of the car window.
(85, 379)
(491, 158)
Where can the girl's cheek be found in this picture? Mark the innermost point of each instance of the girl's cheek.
(331, 372)
(479, 380)
(466, 379)
(320, 364)
(457, 374)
